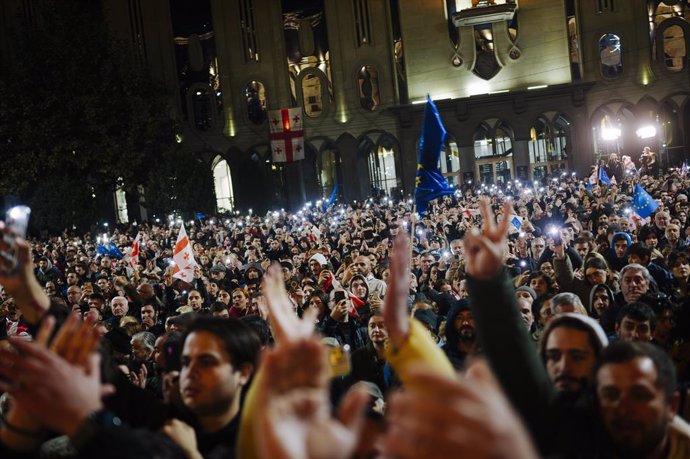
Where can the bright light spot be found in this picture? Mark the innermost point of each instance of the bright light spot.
(646, 132)
(610, 133)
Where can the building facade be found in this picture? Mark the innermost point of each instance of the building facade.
(526, 88)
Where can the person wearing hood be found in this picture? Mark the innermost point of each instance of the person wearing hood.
(461, 334)
(617, 257)
(595, 272)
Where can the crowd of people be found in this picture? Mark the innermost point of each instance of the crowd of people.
(529, 319)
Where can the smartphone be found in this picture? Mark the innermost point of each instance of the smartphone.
(339, 296)
(17, 220)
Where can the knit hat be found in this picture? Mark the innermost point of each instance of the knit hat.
(218, 268)
(319, 258)
(529, 290)
(427, 317)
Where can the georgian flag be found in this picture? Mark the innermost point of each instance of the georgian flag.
(132, 256)
(183, 256)
(287, 134)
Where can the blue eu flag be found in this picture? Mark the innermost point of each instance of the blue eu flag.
(603, 176)
(429, 183)
(331, 200)
(643, 203)
(109, 249)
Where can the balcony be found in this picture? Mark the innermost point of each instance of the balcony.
(485, 12)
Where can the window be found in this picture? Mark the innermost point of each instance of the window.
(605, 6)
(328, 171)
(202, 108)
(496, 143)
(610, 56)
(485, 65)
(368, 80)
(255, 95)
(675, 52)
(548, 145)
(449, 163)
(248, 29)
(382, 168)
(539, 141)
(606, 130)
(573, 41)
(223, 185)
(362, 23)
(306, 46)
(311, 95)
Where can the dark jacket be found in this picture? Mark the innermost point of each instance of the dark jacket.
(456, 357)
(561, 425)
(351, 332)
(367, 366)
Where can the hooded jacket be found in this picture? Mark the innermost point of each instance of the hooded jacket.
(456, 357)
(567, 280)
(614, 262)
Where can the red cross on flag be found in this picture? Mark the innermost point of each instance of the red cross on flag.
(183, 257)
(132, 255)
(287, 134)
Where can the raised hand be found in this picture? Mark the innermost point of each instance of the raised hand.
(17, 276)
(395, 312)
(484, 251)
(293, 418)
(56, 393)
(285, 324)
(477, 419)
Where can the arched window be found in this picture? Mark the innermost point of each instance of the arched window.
(312, 95)
(606, 132)
(368, 80)
(611, 56)
(223, 186)
(202, 108)
(493, 151)
(504, 144)
(255, 96)
(539, 144)
(328, 171)
(561, 129)
(675, 52)
(450, 161)
(382, 167)
(483, 142)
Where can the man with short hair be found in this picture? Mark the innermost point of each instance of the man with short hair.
(118, 308)
(526, 312)
(635, 283)
(635, 322)
(635, 387)
(218, 359)
(673, 239)
(567, 302)
(641, 254)
(361, 265)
